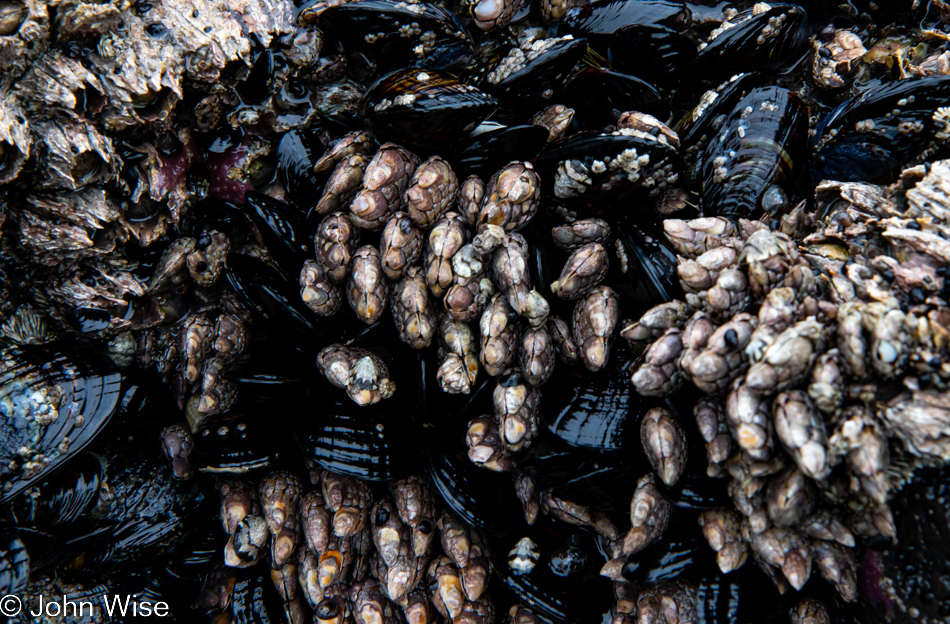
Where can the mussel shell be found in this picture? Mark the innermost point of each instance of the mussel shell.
(698, 125)
(297, 151)
(282, 228)
(652, 52)
(600, 21)
(756, 156)
(602, 96)
(742, 48)
(538, 83)
(91, 393)
(14, 564)
(485, 153)
(645, 274)
(580, 597)
(881, 149)
(238, 444)
(608, 188)
(255, 601)
(375, 29)
(423, 109)
(63, 498)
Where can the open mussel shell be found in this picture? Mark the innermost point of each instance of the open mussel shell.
(565, 583)
(423, 108)
(767, 40)
(867, 137)
(643, 267)
(492, 146)
(53, 402)
(379, 33)
(596, 171)
(537, 82)
(604, 95)
(750, 170)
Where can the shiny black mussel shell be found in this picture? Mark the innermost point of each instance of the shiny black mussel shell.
(604, 95)
(423, 108)
(599, 21)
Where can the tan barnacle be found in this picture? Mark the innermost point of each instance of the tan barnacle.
(524, 556)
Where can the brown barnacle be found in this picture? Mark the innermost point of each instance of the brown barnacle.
(584, 269)
(511, 199)
(824, 525)
(384, 182)
(446, 238)
(889, 344)
(447, 593)
(390, 534)
(802, 432)
(579, 515)
(511, 274)
(664, 443)
(334, 245)
(230, 337)
(344, 183)
(218, 394)
(431, 191)
(659, 373)
(361, 373)
(654, 323)
(852, 344)
(563, 339)
(595, 321)
(370, 605)
(400, 245)
(516, 408)
(677, 600)
(499, 335)
(195, 345)
(15, 138)
(178, 444)
(280, 499)
(367, 290)
(349, 516)
(723, 358)
(722, 529)
(72, 154)
(536, 355)
(486, 448)
(786, 550)
(238, 500)
(859, 438)
(728, 296)
(557, 118)
(415, 502)
(418, 608)
(712, 426)
(920, 421)
(315, 521)
(456, 538)
(701, 274)
(466, 299)
(649, 516)
(458, 369)
(777, 311)
(413, 311)
(749, 420)
(470, 198)
(526, 489)
(789, 359)
(790, 497)
(695, 237)
(580, 233)
(642, 123)
(768, 256)
(357, 142)
(206, 262)
(476, 573)
(308, 575)
(24, 35)
(835, 61)
(317, 292)
(247, 544)
(489, 14)
(837, 565)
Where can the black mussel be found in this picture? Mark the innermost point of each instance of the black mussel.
(553, 568)
(255, 601)
(767, 39)
(259, 82)
(297, 152)
(63, 498)
(388, 35)
(878, 133)
(14, 564)
(652, 52)
(238, 443)
(492, 146)
(423, 108)
(643, 267)
(598, 170)
(54, 402)
(603, 96)
(600, 21)
(531, 77)
(750, 168)
(282, 228)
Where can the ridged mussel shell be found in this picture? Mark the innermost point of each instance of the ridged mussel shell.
(423, 108)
